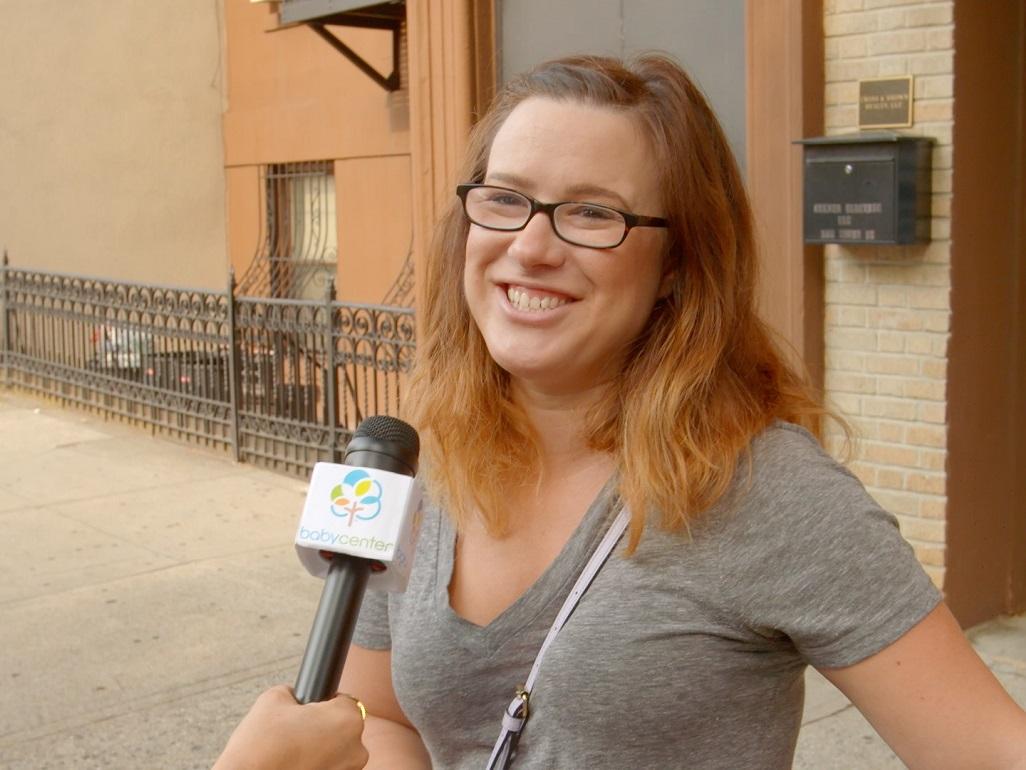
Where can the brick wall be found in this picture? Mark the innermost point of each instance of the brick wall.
(887, 307)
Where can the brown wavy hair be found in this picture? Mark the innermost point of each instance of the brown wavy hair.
(702, 379)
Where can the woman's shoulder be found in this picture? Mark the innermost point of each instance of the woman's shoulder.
(787, 480)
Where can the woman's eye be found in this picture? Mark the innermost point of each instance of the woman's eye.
(584, 211)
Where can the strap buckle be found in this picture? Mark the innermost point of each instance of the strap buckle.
(525, 698)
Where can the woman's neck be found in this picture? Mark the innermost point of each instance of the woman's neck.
(560, 420)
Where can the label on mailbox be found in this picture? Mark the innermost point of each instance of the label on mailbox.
(849, 201)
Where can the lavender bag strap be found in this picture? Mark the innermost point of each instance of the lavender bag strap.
(515, 716)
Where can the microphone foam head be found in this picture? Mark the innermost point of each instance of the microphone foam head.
(386, 443)
(385, 428)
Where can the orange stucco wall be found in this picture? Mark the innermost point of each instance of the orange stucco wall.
(292, 97)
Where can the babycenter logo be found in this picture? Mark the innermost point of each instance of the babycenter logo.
(358, 497)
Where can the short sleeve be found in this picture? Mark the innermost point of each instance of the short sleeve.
(372, 627)
(821, 562)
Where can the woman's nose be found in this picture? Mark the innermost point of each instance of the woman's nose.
(537, 244)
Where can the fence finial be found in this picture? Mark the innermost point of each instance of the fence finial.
(6, 262)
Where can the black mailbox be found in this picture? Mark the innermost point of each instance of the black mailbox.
(867, 188)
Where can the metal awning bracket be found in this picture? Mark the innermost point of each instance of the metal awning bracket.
(321, 14)
(389, 83)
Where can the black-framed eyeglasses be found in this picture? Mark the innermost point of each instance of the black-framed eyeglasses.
(582, 224)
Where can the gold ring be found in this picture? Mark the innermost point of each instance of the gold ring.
(359, 705)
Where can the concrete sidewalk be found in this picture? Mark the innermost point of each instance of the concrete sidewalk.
(149, 591)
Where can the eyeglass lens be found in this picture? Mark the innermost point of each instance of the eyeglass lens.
(585, 224)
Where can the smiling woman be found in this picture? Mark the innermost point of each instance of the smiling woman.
(593, 356)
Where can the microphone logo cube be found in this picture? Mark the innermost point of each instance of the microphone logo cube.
(363, 512)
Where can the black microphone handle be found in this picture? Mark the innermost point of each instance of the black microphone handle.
(332, 630)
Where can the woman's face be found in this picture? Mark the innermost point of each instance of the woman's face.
(588, 304)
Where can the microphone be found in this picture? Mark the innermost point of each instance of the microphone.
(366, 513)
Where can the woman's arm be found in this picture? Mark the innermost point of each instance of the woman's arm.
(391, 741)
(935, 702)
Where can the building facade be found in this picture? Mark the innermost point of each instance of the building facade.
(306, 140)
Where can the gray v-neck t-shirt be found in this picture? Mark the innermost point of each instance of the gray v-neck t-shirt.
(688, 654)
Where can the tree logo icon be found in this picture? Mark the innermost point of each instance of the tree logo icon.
(357, 497)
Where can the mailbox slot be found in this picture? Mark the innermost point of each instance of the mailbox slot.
(867, 188)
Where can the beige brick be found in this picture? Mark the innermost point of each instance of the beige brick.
(920, 344)
(933, 459)
(842, 6)
(933, 110)
(930, 297)
(935, 63)
(889, 363)
(929, 554)
(893, 432)
(941, 181)
(892, 66)
(848, 403)
(889, 386)
(894, 318)
(936, 575)
(927, 390)
(864, 473)
(935, 320)
(892, 296)
(897, 41)
(890, 19)
(846, 382)
(934, 253)
(935, 370)
(933, 507)
(933, 275)
(844, 315)
(934, 87)
(926, 435)
(927, 483)
(890, 342)
(923, 530)
(853, 46)
(891, 454)
(940, 205)
(840, 117)
(932, 412)
(942, 157)
(850, 294)
(942, 39)
(845, 361)
(934, 15)
(846, 92)
(848, 23)
(870, 4)
(893, 274)
(889, 478)
(940, 229)
(895, 501)
(851, 339)
(838, 70)
(891, 408)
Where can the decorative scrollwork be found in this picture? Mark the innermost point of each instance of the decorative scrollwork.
(295, 375)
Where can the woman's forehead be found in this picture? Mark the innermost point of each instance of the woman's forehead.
(564, 146)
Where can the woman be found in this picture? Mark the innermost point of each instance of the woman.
(591, 341)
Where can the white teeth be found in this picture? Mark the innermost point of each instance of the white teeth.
(522, 301)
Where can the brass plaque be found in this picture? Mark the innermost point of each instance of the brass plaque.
(885, 102)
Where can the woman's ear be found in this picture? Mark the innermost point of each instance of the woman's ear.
(668, 280)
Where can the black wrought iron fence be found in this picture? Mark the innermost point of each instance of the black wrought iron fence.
(280, 383)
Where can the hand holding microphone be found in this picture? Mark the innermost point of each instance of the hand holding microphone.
(366, 512)
(279, 734)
